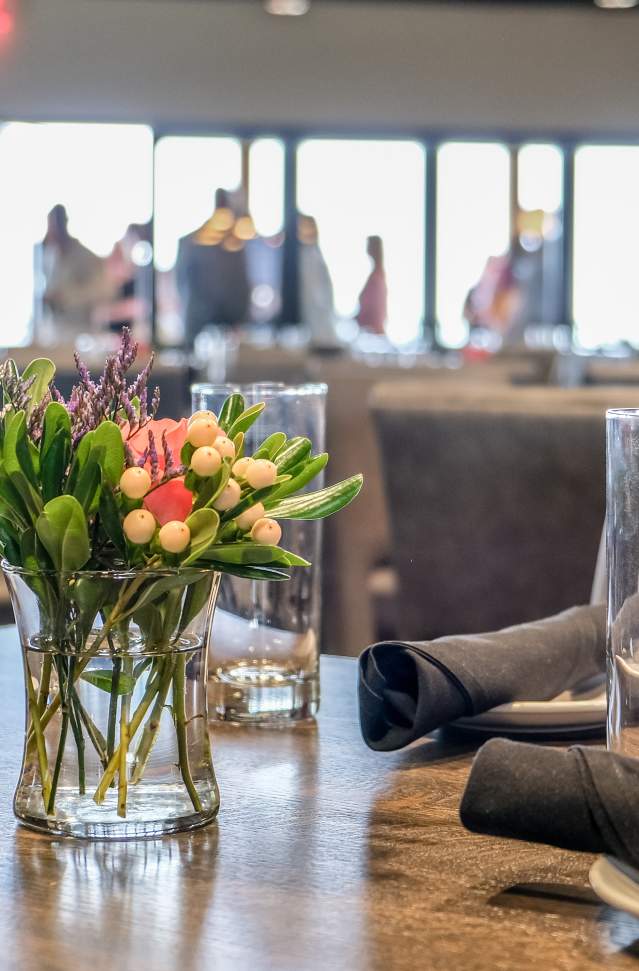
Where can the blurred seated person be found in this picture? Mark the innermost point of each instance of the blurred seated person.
(317, 307)
(212, 277)
(75, 281)
(373, 300)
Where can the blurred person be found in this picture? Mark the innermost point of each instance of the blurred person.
(75, 279)
(129, 269)
(519, 288)
(317, 306)
(373, 300)
(211, 270)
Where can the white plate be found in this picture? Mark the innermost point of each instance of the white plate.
(616, 883)
(565, 713)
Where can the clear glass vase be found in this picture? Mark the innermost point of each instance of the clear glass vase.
(116, 740)
(265, 662)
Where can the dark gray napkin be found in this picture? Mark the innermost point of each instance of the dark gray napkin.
(580, 798)
(408, 689)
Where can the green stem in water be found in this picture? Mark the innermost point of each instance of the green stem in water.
(125, 704)
(116, 615)
(94, 733)
(179, 692)
(134, 724)
(76, 725)
(38, 736)
(58, 761)
(113, 706)
(45, 681)
(152, 726)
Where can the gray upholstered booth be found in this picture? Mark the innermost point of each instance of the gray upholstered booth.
(495, 498)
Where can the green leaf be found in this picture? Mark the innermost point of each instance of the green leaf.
(158, 588)
(270, 446)
(197, 596)
(18, 466)
(224, 475)
(111, 521)
(238, 441)
(80, 459)
(15, 450)
(103, 679)
(149, 620)
(231, 411)
(318, 505)
(246, 419)
(264, 572)
(186, 454)
(62, 529)
(252, 554)
(35, 559)
(53, 464)
(108, 436)
(10, 541)
(299, 479)
(88, 486)
(203, 524)
(90, 595)
(44, 371)
(13, 504)
(56, 418)
(296, 450)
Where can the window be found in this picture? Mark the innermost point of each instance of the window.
(473, 228)
(266, 206)
(355, 190)
(189, 171)
(538, 250)
(75, 201)
(605, 302)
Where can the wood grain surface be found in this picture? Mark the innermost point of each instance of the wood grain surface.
(324, 856)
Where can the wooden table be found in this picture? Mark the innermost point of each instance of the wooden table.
(325, 856)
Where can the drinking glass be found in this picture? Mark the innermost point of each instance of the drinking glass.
(264, 666)
(623, 579)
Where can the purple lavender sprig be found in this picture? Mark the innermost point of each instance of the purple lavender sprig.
(110, 397)
(169, 462)
(154, 457)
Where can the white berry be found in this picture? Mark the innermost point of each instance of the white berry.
(240, 467)
(202, 432)
(250, 516)
(139, 526)
(261, 473)
(268, 532)
(202, 414)
(228, 497)
(225, 447)
(135, 482)
(206, 461)
(175, 536)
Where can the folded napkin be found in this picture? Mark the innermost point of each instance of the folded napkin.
(580, 798)
(408, 689)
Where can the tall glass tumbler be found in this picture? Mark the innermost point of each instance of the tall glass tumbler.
(264, 665)
(623, 579)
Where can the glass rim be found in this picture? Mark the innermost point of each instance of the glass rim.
(623, 413)
(273, 389)
(118, 573)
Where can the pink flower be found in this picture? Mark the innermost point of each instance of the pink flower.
(170, 501)
(175, 436)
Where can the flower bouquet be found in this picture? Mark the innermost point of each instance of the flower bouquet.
(114, 529)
